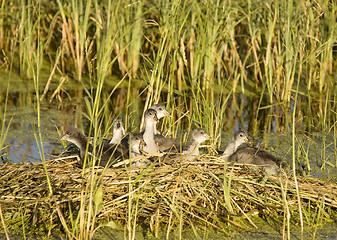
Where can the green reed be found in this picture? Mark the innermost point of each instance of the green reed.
(75, 33)
(34, 60)
(85, 222)
(202, 59)
(4, 125)
(208, 51)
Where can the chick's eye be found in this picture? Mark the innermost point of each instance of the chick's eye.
(160, 109)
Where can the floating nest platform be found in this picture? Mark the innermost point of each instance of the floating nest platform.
(205, 193)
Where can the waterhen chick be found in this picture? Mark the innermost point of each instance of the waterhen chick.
(161, 112)
(197, 136)
(109, 152)
(134, 141)
(118, 131)
(251, 155)
(164, 143)
(150, 119)
(236, 141)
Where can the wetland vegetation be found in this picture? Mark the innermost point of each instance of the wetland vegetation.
(266, 67)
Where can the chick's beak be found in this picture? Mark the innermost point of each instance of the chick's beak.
(208, 137)
(167, 114)
(155, 118)
(247, 141)
(63, 138)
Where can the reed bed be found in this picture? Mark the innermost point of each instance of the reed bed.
(202, 194)
(184, 54)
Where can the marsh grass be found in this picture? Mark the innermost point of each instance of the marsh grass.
(266, 66)
(187, 54)
(4, 125)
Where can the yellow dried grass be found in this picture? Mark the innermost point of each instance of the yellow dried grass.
(166, 193)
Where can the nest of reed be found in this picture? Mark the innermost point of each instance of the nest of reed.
(205, 193)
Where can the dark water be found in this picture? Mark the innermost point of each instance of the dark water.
(23, 136)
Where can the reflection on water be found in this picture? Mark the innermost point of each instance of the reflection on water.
(23, 133)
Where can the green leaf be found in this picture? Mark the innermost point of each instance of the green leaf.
(98, 199)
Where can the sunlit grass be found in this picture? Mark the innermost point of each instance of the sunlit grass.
(259, 66)
(228, 49)
(203, 52)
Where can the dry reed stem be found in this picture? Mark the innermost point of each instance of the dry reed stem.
(3, 224)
